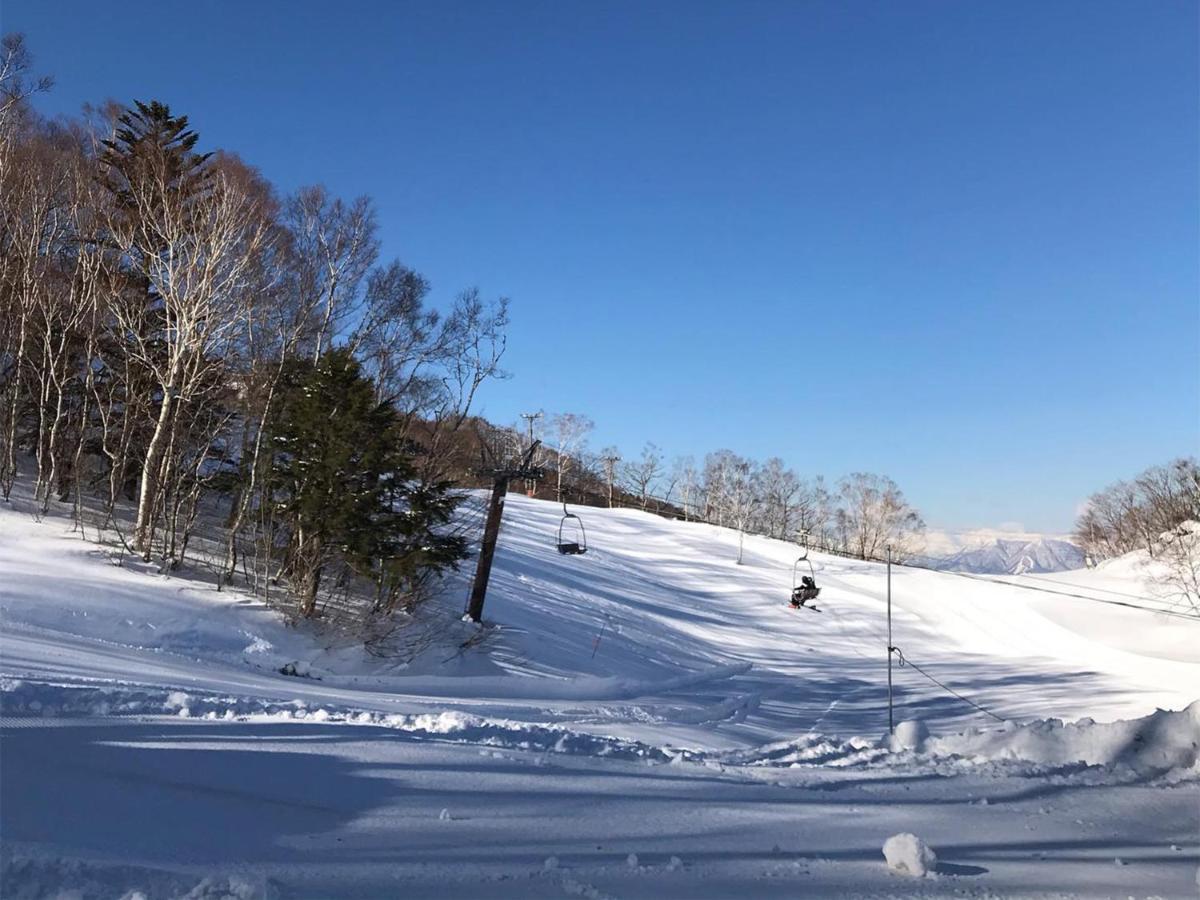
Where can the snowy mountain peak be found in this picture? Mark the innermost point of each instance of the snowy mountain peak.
(1007, 556)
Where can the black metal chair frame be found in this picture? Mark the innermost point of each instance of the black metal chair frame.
(572, 548)
(800, 593)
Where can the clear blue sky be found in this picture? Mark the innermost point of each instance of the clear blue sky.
(953, 242)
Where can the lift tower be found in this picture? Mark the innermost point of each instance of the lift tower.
(501, 476)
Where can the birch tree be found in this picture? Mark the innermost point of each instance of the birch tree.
(731, 482)
(873, 514)
(335, 247)
(777, 488)
(642, 472)
(688, 478)
(192, 236)
(570, 438)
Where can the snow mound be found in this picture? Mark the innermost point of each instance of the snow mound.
(909, 735)
(907, 854)
(1161, 742)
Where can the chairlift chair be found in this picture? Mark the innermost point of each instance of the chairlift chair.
(566, 546)
(804, 587)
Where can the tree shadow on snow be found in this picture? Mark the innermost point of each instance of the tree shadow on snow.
(136, 788)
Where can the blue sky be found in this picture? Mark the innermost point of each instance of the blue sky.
(953, 242)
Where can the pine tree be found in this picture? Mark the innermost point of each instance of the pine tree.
(150, 157)
(346, 489)
(153, 172)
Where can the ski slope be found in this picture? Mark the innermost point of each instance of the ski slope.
(636, 700)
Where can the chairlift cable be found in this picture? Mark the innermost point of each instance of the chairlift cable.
(905, 661)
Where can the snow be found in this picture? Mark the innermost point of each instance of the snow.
(1164, 741)
(710, 724)
(1009, 556)
(909, 735)
(907, 854)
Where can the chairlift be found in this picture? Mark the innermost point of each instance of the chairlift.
(572, 539)
(804, 587)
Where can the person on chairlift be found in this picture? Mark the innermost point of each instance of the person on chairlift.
(807, 591)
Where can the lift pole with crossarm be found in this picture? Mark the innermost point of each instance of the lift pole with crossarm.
(491, 530)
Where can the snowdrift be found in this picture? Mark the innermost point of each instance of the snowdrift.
(1163, 741)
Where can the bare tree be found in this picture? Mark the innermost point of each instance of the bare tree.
(570, 434)
(777, 488)
(642, 472)
(1133, 515)
(813, 510)
(686, 476)
(1179, 557)
(475, 340)
(715, 480)
(335, 246)
(874, 515)
(739, 497)
(16, 87)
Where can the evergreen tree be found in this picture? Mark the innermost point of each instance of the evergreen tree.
(154, 174)
(346, 489)
(151, 157)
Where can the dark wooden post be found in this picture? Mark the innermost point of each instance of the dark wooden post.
(491, 532)
(491, 529)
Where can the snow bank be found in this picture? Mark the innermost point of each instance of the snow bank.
(907, 854)
(1160, 742)
(1165, 741)
(909, 735)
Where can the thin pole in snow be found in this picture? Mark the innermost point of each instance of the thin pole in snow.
(891, 724)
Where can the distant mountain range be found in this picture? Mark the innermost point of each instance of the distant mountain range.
(987, 553)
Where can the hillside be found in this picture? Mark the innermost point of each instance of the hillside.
(652, 650)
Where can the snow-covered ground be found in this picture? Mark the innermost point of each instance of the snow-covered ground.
(648, 719)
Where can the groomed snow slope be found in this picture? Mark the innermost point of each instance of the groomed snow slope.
(654, 649)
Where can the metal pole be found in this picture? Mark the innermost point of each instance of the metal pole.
(891, 724)
(530, 485)
(610, 467)
(491, 531)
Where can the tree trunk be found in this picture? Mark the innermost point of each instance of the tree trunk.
(143, 530)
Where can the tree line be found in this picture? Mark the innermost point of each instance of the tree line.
(862, 513)
(1157, 512)
(181, 341)
(1135, 514)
